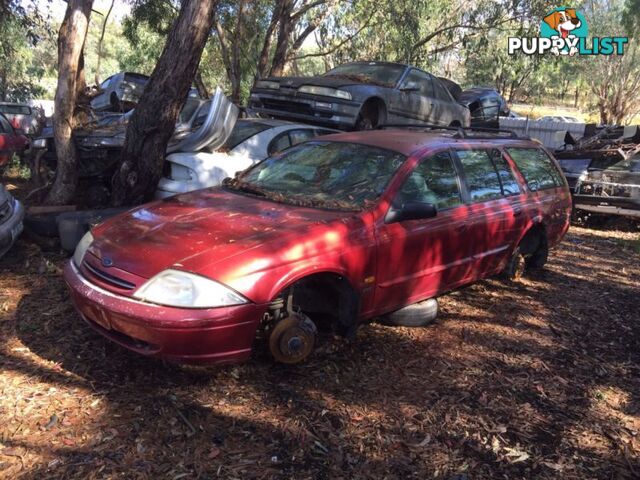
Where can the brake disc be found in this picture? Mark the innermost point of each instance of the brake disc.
(293, 338)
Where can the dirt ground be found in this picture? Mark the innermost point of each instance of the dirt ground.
(535, 380)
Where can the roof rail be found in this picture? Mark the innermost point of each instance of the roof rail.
(461, 132)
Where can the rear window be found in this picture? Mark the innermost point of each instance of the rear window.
(136, 78)
(537, 168)
(15, 109)
(242, 131)
(480, 174)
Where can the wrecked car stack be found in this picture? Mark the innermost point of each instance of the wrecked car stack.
(603, 171)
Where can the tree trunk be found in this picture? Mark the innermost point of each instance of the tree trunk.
(285, 27)
(154, 119)
(100, 42)
(71, 37)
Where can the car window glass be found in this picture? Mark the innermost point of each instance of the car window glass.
(376, 73)
(300, 135)
(15, 109)
(482, 180)
(507, 178)
(536, 168)
(5, 127)
(104, 85)
(441, 92)
(422, 81)
(326, 174)
(433, 181)
(322, 131)
(242, 131)
(490, 107)
(280, 143)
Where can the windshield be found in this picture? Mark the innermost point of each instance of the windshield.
(242, 131)
(378, 73)
(628, 165)
(334, 175)
(188, 110)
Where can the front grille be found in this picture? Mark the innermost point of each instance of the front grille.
(5, 211)
(287, 106)
(108, 278)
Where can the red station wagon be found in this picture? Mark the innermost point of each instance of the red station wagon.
(335, 231)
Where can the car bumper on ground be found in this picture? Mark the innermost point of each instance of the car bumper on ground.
(216, 335)
(11, 227)
(327, 111)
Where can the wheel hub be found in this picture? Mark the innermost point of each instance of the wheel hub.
(293, 338)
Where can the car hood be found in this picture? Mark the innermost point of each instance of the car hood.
(218, 234)
(332, 81)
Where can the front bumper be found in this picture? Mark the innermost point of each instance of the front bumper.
(329, 111)
(168, 187)
(11, 228)
(216, 335)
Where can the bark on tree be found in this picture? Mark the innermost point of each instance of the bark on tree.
(71, 38)
(153, 121)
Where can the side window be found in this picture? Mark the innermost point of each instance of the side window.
(104, 85)
(5, 126)
(279, 143)
(322, 131)
(301, 135)
(434, 181)
(490, 106)
(508, 181)
(536, 167)
(441, 92)
(482, 179)
(422, 81)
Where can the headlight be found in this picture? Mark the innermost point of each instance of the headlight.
(81, 248)
(325, 91)
(39, 143)
(181, 289)
(267, 84)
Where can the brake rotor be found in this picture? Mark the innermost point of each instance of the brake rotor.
(293, 338)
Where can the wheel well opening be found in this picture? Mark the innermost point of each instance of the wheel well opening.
(328, 299)
(455, 123)
(535, 238)
(375, 105)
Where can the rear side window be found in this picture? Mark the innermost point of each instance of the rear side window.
(508, 181)
(536, 167)
(482, 179)
(300, 135)
(433, 181)
(5, 126)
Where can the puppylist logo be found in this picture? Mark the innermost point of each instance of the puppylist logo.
(563, 31)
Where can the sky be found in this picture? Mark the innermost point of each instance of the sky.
(58, 7)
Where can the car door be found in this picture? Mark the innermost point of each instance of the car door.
(444, 107)
(414, 104)
(7, 141)
(496, 209)
(418, 259)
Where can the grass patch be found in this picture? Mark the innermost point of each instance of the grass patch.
(17, 169)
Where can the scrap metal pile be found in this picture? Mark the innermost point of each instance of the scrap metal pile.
(603, 170)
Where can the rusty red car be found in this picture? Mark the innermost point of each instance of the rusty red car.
(11, 142)
(330, 233)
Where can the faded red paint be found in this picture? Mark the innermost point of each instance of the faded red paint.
(259, 247)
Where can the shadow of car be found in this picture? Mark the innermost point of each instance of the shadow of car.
(360, 96)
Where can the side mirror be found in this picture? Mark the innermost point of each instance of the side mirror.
(410, 87)
(411, 211)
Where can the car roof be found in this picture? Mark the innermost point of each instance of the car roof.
(373, 62)
(273, 122)
(477, 92)
(408, 141)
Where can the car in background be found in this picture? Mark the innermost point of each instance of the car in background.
(23, 118)
(360, 96)
(99, 144)
(558, 118)
(251, 141)
(11, 142)
(329, 234)
(486, 106)
(120, 92)
(11, 217)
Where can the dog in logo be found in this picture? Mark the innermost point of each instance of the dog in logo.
(563, 22)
